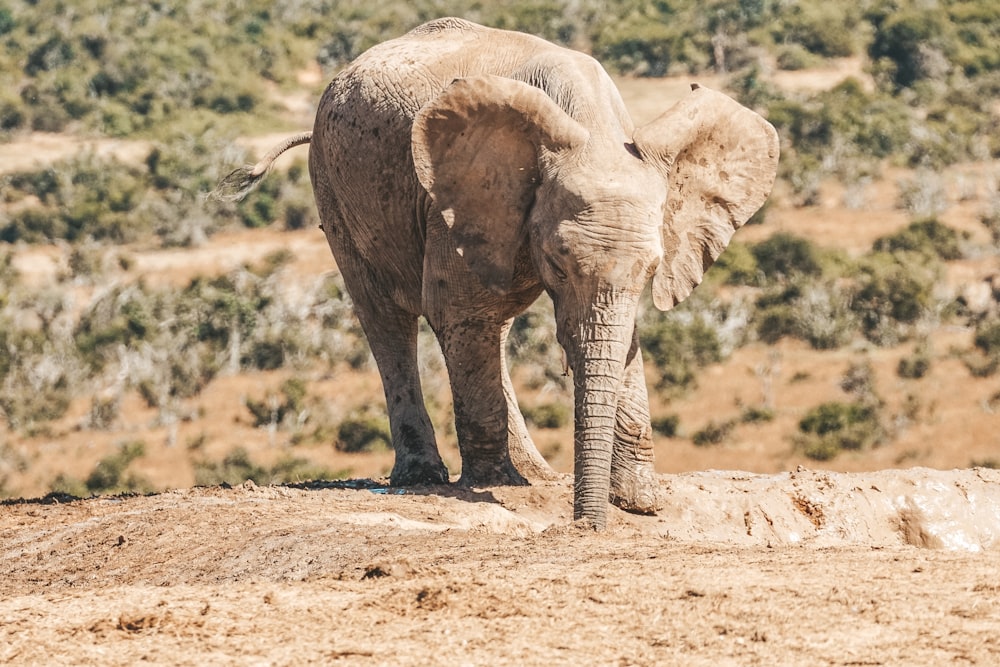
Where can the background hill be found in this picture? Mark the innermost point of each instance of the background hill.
(150, 339)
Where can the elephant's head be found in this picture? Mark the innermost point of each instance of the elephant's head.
(602, 213)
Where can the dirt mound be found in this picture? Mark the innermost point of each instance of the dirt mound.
(803, 567)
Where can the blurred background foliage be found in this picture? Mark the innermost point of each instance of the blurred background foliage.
(187, 79)
(190, 77)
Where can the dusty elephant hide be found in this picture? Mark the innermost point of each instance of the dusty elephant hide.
(459, 171)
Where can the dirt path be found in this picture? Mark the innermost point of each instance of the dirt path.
(325, 573)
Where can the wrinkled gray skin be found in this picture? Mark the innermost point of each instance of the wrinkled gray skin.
(459, 171)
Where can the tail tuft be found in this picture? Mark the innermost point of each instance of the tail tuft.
(238, 184)
(241, 182)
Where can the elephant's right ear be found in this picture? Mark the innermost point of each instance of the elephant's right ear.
(477, 149)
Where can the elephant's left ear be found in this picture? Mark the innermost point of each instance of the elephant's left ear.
(720, 160)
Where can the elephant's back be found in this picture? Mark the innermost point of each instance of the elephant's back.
(360, 150)
(401, 75)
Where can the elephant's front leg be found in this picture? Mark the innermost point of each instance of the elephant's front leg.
(473, 352)
(634, 486)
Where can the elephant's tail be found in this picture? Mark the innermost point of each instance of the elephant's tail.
(242, 181)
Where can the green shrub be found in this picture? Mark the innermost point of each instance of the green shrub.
(548, 415)
(36, 388)
(916, 365)
(817, 312)
(66, 485)
(892, 292)
(641, 47)
(987, 337)
(109, 475)
(923, 197)
(293, 470)
(363, 432)
(678, 348)
(736, 266)
(235, 468)
(774, 321)
(84, 197)
(713, 433)
(928, 237)
(826, 29)
(796, 57)
(104, 411)
(904, 38)
(835, 426)
(757, 415)
(275, 409)
(984, 360)
(668, 426)
(784, 256)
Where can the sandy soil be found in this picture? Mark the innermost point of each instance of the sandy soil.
(813, 568)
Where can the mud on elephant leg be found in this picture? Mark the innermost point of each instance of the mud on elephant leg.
(634, 487)
(392, 335)
(473, 352)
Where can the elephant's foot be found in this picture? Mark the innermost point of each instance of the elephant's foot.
(635, 489)
(412, 471)
(479, 473)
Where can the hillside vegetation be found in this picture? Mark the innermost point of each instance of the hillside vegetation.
(83, 353)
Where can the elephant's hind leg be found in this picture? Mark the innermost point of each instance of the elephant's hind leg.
(394, 345)
(634, 486)
(392, 335)
(523, 453)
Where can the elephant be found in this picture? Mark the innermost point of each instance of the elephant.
(459, 171)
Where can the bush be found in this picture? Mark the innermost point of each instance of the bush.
(916, 365)
(736, 266)
(816, 312)
(235, 468)
(823, 28)
(81, 198)
(928, 237)
(293, 470)
(713, 433)
(757, 415)
(985, 360)
(784, 256)
(923, 197)
(276, 409)
(906, 41)
(892, 292)
(548, 415)
(987, 338)
(36, 387)
(363, 432)
(776, 319)
(678, 348)
(667, 426)
(835, 426)
(108, 476)
(796, 57)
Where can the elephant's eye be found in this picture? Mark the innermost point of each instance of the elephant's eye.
(556, 269)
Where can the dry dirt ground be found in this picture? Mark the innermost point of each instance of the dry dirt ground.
(802, 568)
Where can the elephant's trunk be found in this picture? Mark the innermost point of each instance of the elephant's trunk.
(599, 367)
